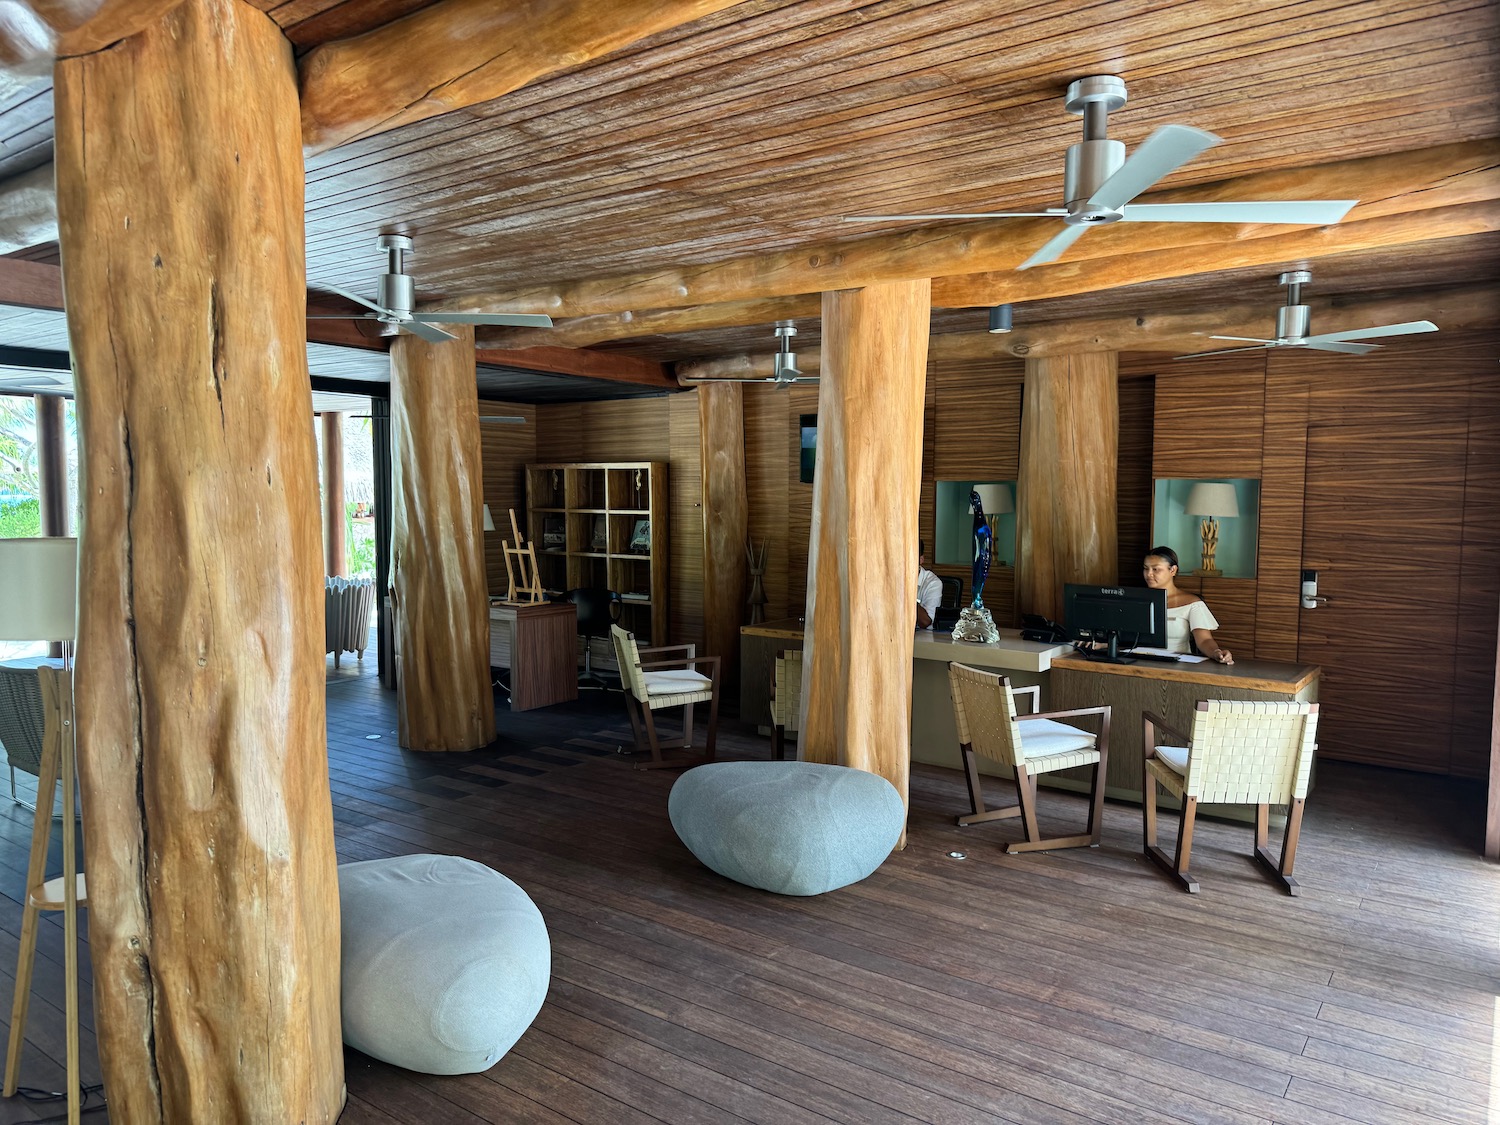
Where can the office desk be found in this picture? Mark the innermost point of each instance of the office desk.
(1172, 691)
(759, 645)
(539, 644)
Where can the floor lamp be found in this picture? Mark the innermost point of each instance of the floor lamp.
(41, 588)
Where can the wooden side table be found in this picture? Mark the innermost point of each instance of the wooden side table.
(539, 644)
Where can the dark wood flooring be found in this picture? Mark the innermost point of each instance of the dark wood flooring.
(1065, 987)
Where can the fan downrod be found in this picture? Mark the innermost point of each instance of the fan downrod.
(1095, 158)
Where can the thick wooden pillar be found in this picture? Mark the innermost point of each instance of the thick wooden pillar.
(726, 521)
(52, 463)
(213, 891)
(862, 559)
(335, 549)
(445, 698)
(1065, 497)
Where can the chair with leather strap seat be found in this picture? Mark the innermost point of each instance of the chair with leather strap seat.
(666, 682)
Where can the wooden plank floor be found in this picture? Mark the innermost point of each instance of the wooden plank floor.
(1065, 987)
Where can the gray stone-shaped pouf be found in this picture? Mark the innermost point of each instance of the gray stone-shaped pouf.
(445, 962)
(796, 828)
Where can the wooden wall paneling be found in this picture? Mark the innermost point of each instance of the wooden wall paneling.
(1133, 477)
(1208, 417)
(505, 449)
(1278, 571)
(686, 505)
(767, 490)
(724, 522)
(1492, 806)
(1065, 492)
(627, 429)
(202, 744)
(1479, 580)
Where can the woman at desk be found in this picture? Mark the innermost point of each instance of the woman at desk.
(1187, 614)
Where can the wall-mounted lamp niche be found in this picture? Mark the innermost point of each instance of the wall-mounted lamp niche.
(954, 525)
(1213, 525)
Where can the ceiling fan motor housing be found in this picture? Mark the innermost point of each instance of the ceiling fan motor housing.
(1292, 323)
(397, 293)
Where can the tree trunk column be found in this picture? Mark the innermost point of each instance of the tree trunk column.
(213, 890)
(445, 698)
(862, 560)
(1066, 512)
(336, 550)
(726, 520)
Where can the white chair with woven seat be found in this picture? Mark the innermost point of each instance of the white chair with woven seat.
(1241, 752)
(786, 699)
(666, 682)
(984, 709)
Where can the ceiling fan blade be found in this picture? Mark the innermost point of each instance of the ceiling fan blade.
(1054, 246)
(1246, 339)
(1051, 212)
(355, 297)
(342, 316)
(515, 320)
(429, 332)
(1160, 154)
(1338, 346)
(1406, 329)
(1222, 351)
(1303, 212)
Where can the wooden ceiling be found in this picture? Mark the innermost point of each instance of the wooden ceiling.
(755, 129)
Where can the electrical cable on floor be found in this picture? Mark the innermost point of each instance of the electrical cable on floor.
(37, 1096)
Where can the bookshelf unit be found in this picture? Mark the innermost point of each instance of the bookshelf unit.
(604, 524)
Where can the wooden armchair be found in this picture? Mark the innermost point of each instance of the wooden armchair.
(1240, 753)
(668, 682)
(786, 699)
(984, 708)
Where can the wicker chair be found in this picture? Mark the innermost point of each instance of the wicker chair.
(22, 721)
(786, 699)
(984, 708)
(663, 683)
(1240, 753)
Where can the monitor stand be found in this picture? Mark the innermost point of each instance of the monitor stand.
(1111, 655)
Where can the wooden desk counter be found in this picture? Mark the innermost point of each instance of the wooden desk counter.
(539, 644)
(1172, 691)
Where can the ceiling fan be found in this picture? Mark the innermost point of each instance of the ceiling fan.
(1099, 182)
(396, 295)
(1293, 319)
(784, 372)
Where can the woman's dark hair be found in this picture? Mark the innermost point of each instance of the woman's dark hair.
(1164, 553)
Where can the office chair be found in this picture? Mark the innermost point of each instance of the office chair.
(948, 609)
(598, 609)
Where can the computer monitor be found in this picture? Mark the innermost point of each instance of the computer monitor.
(1110, 614)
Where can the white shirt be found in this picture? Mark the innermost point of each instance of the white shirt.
(929, 592)
(1182, 620)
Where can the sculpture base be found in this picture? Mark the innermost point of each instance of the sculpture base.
(1209, 571)
(976, 624)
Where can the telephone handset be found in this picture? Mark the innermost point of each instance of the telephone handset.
(1035, 627)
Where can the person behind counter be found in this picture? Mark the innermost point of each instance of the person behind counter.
(929, 589)
(1187, 614)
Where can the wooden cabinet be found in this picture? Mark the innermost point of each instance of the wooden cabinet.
(604, 524)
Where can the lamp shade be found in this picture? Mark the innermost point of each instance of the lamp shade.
(1207, 498)
(38, 589)
(489, 520)
(995, 498)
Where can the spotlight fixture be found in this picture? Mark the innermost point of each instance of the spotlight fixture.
(785, 370)
(1000, 318)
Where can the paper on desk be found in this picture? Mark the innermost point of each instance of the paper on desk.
(1182, 657)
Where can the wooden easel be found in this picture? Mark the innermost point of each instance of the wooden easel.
(528, 591)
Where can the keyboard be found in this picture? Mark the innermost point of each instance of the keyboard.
(1161, 656)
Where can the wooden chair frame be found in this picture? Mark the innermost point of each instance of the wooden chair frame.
(640, 711)
(1026, 783)
(1176, 867)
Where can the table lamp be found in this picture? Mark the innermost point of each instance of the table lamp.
(996, 501)
(489, 520)
(40, 604)
(1211, 500)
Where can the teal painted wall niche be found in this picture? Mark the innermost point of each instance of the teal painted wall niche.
(955, 527)
(1239, 536)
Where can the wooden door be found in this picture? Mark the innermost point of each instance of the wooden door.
(1382, 514)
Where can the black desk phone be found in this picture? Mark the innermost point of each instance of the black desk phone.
(1034, 627)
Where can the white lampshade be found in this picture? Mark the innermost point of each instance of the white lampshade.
(489, 520)
(38, 589)
(995, 498)
(1211, 499)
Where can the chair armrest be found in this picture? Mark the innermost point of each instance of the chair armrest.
(1150, 722)
(691, 660)
(689, 649)
(1035, 691)
(1072, 711)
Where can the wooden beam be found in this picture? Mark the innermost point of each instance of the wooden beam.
(862, 561)
(613, 366)
(584, 331)
(445, 700)
(1179, 333)
(1397, 184)
(459, 53)
(36, 31)
(28, 210)
(202, 746)
(1065, 494)
(32, 285)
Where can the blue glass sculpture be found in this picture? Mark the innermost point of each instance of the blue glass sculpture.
(975, 622)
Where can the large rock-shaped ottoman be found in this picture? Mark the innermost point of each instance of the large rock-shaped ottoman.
(796, 828)
(445, 962)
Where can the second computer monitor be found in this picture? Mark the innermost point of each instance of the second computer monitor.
(1128, 615)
